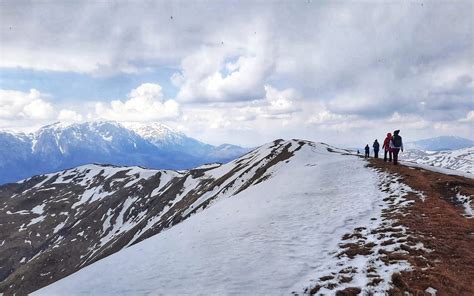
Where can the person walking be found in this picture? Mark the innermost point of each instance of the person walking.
(396, 144)
(376, 147)
(386, 148)
(367, 151)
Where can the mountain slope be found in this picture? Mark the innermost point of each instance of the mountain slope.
(460, 160)
(276, 212)
(270, 237)
(15, 156)
(86, 213)
(168, 139)
(64, 221)
(440, 143)
(58, 146)
(288, 217)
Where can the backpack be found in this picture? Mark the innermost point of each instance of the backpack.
(397, 141)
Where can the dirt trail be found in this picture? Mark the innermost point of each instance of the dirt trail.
(437, 222)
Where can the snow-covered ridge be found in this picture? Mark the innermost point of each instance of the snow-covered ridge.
(461, 160)
(153, 130)
(263, 222)
(101, 208)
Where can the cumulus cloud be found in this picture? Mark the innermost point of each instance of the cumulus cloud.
(21, 105)
(144, 103)
(325, 116)
(67, 115)
(221, 73)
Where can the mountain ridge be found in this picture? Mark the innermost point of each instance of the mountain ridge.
(301, 211)
(91, 211)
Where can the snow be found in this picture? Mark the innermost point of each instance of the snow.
(139, 174)
(89, 172)
(208, 166)
(38, 209)
(432, 291)
(36, 220)
(152, 130)
(59, 227)
(91, 195)
(263, 240)
(369, 266)
(165, 178)
(438, 169)
(121, 224)
(459, 160)
(466, 202)
(22, 212)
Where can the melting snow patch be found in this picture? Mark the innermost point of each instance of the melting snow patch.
(22, 227)
(91, 195)
(36, 220)
(23, 212)
(59, 226)
(38, 209)
(466, 202)
(431, 291)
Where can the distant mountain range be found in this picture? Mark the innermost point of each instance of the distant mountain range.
(440, 143)
(460, 160)
(60, 146)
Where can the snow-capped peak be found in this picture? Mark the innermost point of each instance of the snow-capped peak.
(153, 130)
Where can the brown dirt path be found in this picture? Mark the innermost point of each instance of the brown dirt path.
(438, 223)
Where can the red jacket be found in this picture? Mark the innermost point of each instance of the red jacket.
(386, 142)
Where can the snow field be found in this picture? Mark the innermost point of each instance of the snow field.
(262, 241)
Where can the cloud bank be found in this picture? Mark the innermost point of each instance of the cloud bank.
(247, 72)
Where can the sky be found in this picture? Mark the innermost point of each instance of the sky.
(242, 72)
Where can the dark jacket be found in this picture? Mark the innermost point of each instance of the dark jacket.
(376, 145)
(392, 144)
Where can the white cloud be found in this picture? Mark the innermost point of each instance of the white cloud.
(17, 105)
(145, 103)
(469, 117)
(345, 67)
(67, 115)
(280, 102)
(325, 116)
(227, 72)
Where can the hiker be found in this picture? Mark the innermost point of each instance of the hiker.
(376, 146)
(367, 151)
(396, 144)
(386, 148)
